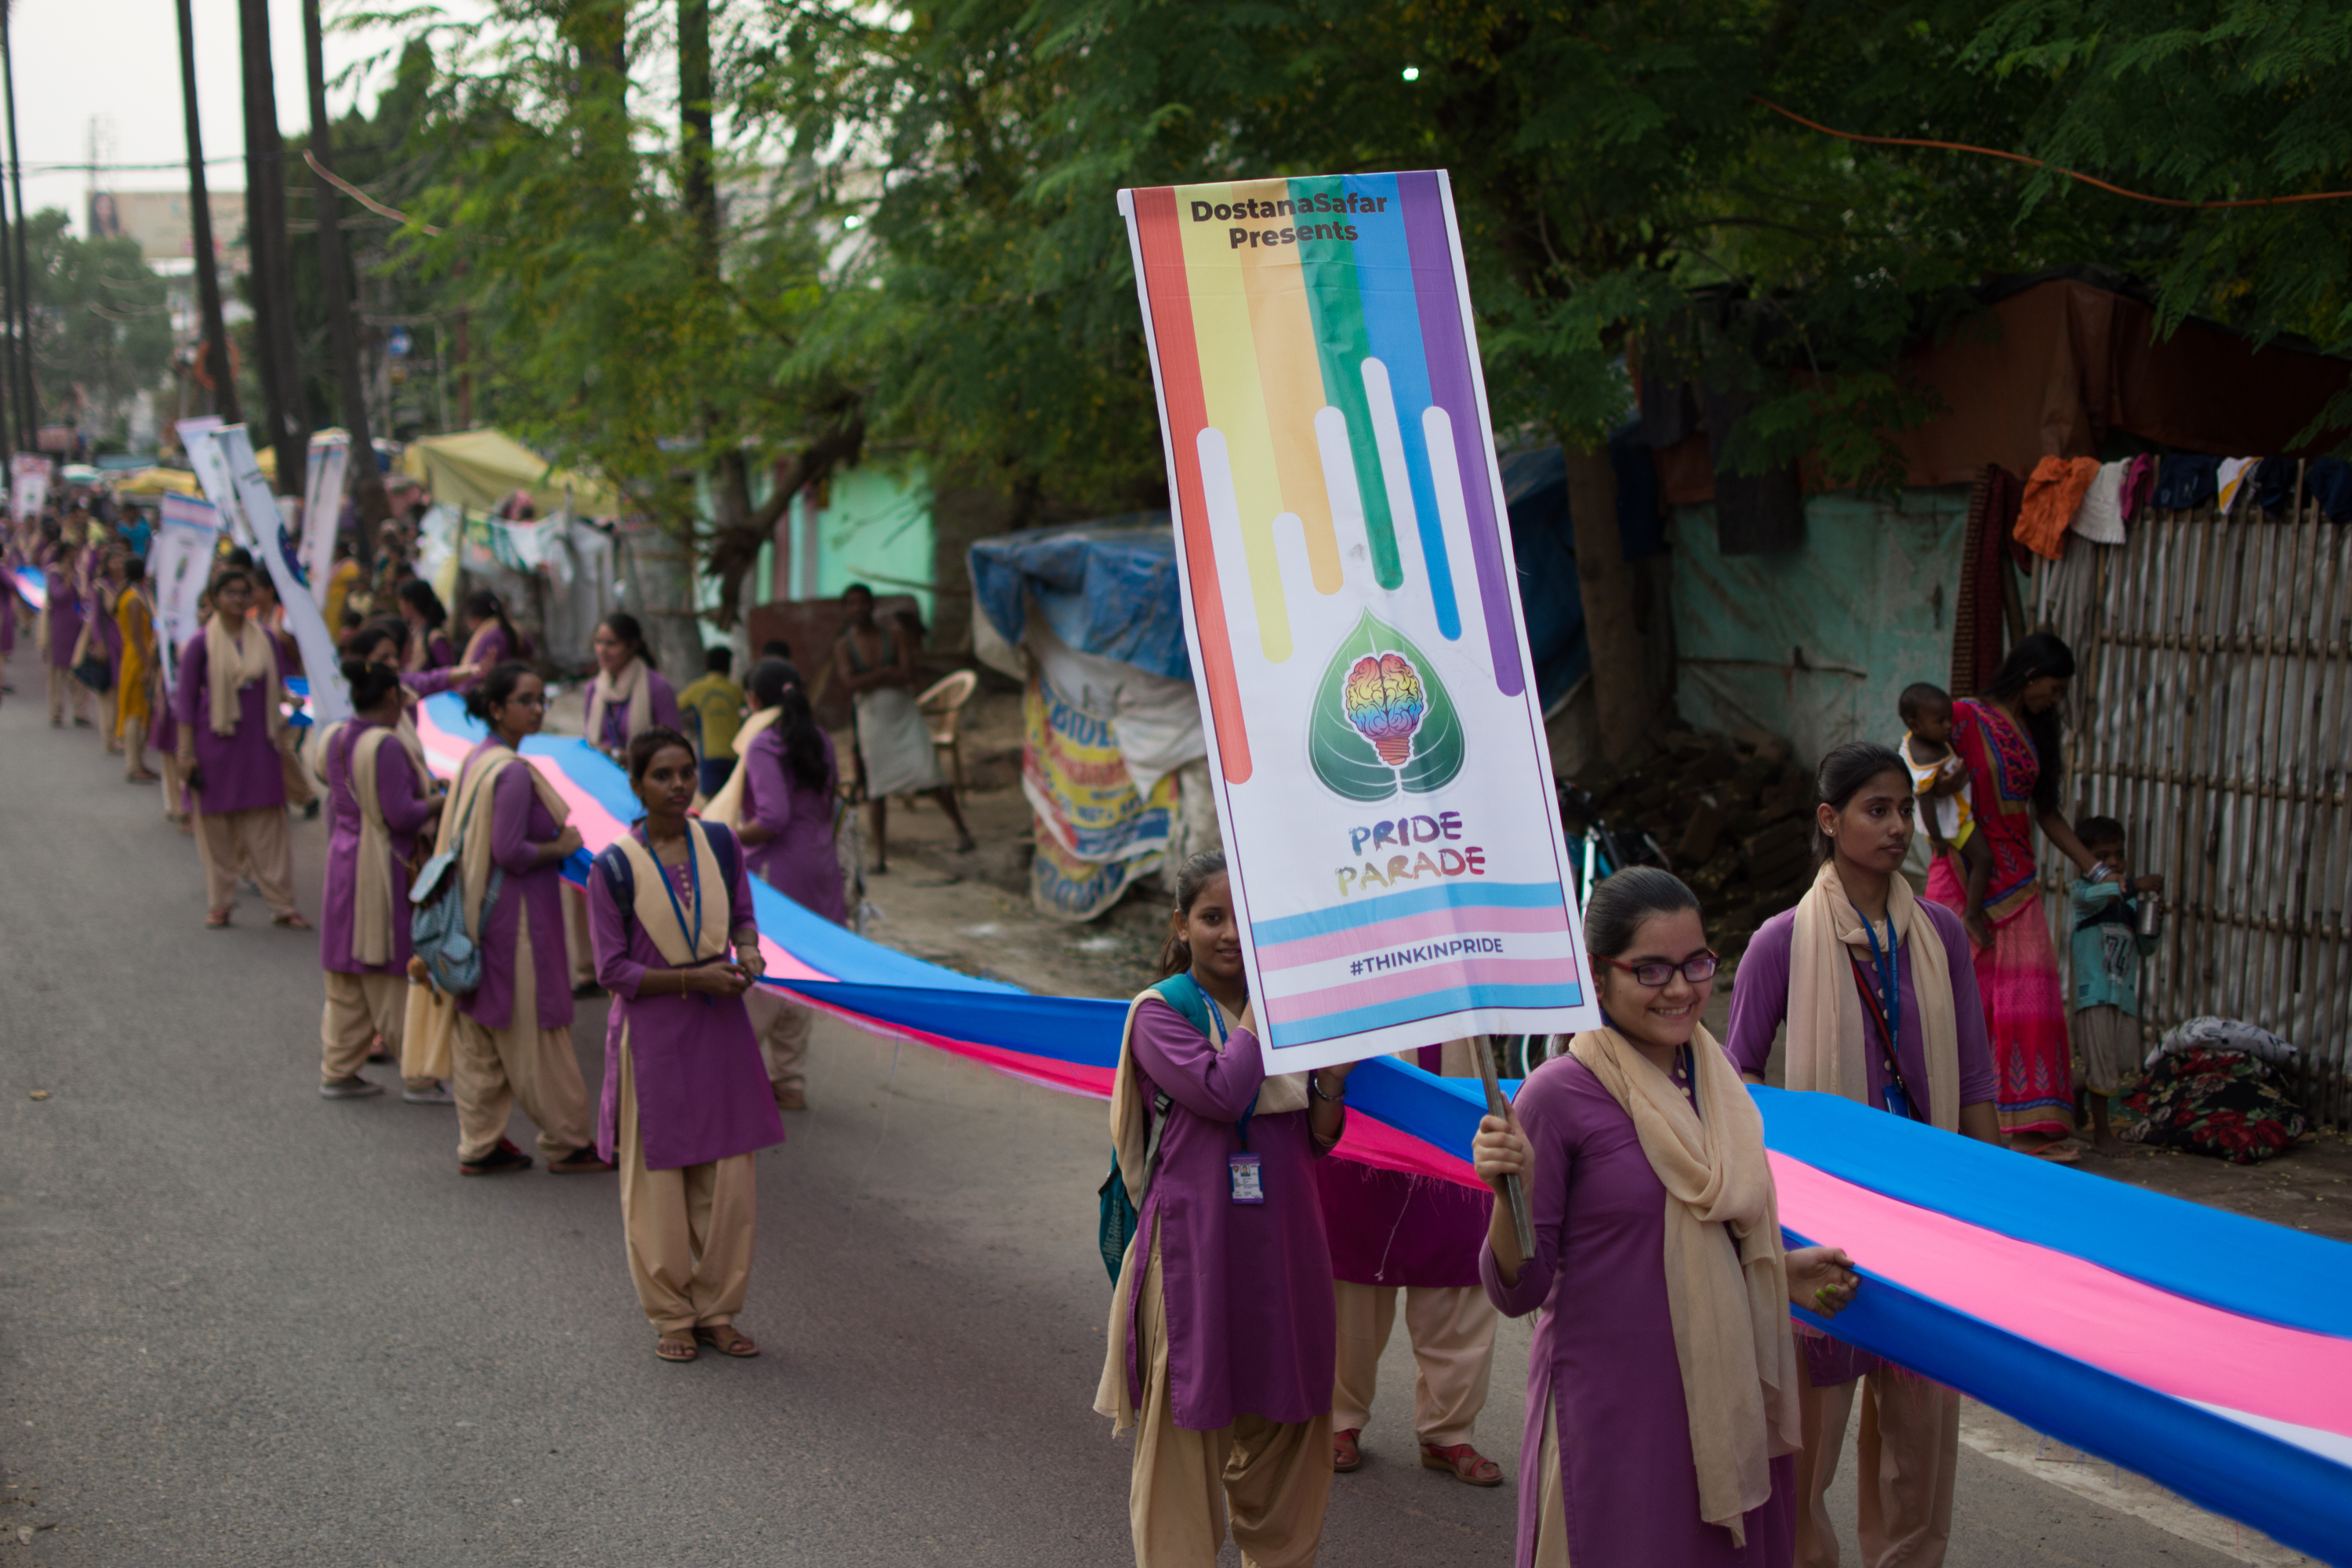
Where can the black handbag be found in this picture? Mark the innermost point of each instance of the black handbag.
(96, 674)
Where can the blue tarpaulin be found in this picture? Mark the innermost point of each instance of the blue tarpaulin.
(1107, 588)
(1535, 488)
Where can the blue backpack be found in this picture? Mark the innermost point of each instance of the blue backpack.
(436, 924)
(1115, 1227)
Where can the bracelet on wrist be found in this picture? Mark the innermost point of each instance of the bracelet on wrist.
(1314, 1088)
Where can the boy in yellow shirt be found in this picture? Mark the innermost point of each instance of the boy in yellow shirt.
(713, 707)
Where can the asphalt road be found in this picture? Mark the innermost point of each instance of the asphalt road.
(241, 1324)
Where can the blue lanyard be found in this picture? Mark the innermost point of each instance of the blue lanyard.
(1889, 983)
(1217, 1017)
(694, 878)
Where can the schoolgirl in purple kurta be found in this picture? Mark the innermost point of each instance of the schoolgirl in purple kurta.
(405, 810)
(519, 823)
(1251, 1330)
(1603, 1352)
(242, 770)
(661, 710)
(799, 861)
(65, 612)
(702, 1091)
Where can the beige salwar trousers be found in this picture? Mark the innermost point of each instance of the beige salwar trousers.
(784, 1030)
(492, 1069)
(1453, 1332)
(359, 1008)
(62, 685)
(1907, 1454)
(690, 1230)
(1274, 1476)
(1551, 1499)
(106, 724)
(254, 841)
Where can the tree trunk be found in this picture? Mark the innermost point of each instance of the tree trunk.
(1605, 583)
(367, 484)
(28, 393)
(264, 228)
(223, 398)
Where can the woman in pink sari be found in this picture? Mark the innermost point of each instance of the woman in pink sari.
(2008, 739)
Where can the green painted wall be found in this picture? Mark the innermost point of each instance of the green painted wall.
(1817, 643)
(875, 528)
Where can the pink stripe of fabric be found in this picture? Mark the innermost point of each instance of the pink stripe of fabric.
(1398, 984)
(2103, 1319)
(597, 827)
(1405, 931)
(1370, 1141)
(783, 965)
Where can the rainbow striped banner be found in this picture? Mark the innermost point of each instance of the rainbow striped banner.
(1383, 780)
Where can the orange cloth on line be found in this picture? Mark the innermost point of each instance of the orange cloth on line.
(2052, 496)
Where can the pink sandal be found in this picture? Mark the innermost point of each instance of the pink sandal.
(1346, 1454)
(1467, 1464)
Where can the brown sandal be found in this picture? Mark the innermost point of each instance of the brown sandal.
(722, 1338)
(1466, 1463)
(293, 922)
(1346, 1454)
(674, 1347)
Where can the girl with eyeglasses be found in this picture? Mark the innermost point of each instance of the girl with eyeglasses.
(1663, 1381)
(1879, 995)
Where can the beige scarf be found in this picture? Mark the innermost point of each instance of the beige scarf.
(232, 663)
(372, 907)
(471, 808)
(726, 805)
(1130, 1134)
(1828, 1044)
(474, 644)
(658, 918)
(630, 689)
(1730, 1304)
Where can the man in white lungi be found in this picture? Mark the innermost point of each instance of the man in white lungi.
(877, 665)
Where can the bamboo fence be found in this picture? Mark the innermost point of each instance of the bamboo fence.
(2211, 714)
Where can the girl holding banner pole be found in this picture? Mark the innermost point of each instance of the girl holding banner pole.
(230, 708)
(1221, 1336)
(686, 1100)
(1663, 1382)
(380, 797)
(1845, 989)
(513, 1037)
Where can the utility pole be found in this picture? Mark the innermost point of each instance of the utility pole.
(213, 359)
(366, 481)
(28, 400)
(265, 226)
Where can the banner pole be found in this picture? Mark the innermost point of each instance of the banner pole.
(1514, 1189)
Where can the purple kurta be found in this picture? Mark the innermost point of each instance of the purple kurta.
(243, 771)
(1252, 1327)
(440, 653)
(661, 712)
(702, 1085)
(1390, 1229)
(106, 633)
(1759, 1005)
(403, 814)
(1628, 1483)
(64, 614)
(799, 862)
(518, 822)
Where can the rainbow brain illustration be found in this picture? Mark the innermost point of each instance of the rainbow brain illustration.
(1384, 701)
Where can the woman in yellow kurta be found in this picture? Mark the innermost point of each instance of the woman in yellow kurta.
(134, 611)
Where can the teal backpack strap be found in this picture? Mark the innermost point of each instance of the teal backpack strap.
(1182, 993)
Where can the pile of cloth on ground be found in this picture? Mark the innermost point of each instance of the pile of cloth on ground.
(2213, 1087)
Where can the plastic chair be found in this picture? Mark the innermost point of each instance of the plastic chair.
(942, 709)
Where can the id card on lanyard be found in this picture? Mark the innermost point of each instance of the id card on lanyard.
(1890, 1013)
(1244, 1171)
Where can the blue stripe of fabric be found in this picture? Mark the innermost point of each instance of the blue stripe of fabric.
(2280, 1488)
(1084, 1030)
(1397, 906)
(2224, 1260)
(1427, 1004)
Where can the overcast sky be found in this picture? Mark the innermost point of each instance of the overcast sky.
(119, 60)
